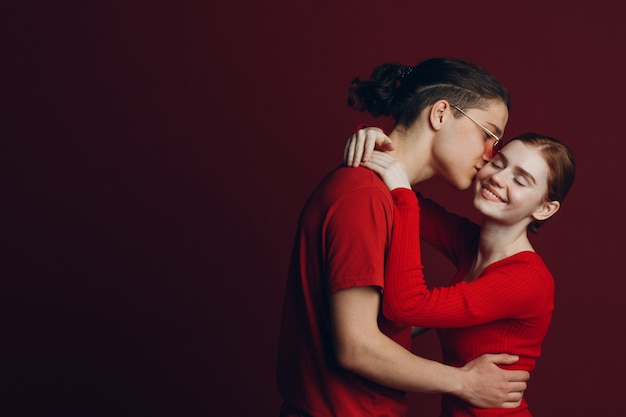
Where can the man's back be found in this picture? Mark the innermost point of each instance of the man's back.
(340, 243)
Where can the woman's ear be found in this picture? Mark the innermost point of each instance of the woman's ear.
(438, 113)
(547, 210)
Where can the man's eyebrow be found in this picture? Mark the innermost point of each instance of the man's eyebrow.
(496, 129)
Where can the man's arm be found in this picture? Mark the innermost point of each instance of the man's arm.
(362, 348)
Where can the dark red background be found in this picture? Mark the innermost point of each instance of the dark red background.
(155, 157)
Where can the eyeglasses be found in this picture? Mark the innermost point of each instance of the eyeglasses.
(496, 144)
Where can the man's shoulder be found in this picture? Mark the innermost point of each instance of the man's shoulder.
(353, 178)
(350, 186)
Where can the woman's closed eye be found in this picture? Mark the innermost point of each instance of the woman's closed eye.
(497, 163)
(520, 180)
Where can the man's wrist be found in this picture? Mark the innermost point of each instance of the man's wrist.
(458, 382)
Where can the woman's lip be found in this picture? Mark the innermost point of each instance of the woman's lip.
(491, 194)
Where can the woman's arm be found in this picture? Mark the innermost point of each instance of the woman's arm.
(510, 288)
(406, 297)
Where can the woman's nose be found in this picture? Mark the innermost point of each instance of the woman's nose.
(499, 178)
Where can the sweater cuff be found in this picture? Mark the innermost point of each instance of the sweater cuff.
(404, 197)
(361, 126)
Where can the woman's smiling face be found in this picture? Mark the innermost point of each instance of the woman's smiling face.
(513, 186)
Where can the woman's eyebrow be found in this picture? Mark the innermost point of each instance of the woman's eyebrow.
(517, 169)
(526, 174)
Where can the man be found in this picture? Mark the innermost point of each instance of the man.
(338, 355)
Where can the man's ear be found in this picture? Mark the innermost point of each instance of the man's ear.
(547, 209)
(438, 113)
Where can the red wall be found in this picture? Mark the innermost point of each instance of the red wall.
(155, 158)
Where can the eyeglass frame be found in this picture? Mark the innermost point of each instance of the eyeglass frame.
(489, 132)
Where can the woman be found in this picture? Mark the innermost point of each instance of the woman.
(502, 294)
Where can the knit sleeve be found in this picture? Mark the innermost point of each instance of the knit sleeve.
(515, 287)
(404, 278)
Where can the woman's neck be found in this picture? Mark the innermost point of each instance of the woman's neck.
(498, 242)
